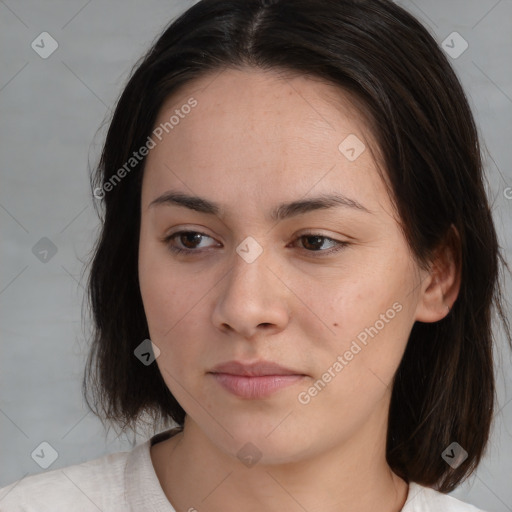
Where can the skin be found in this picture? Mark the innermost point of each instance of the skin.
(255, 140)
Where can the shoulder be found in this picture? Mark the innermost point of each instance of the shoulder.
(92, 485)
(425, 499)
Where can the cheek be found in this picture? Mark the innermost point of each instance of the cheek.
(347, 303)
(175, 305)
(168, 294)
(366, 319)
(171, 308)
(354, 373)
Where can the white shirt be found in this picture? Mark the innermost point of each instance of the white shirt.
(126, 481)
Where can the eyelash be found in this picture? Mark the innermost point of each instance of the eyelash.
(178, 250)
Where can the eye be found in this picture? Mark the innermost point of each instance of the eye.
(314, 242)
(189, 241)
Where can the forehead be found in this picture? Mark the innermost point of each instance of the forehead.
(263, 134)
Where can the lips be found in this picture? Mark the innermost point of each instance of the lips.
(254, 380)
(257, 369)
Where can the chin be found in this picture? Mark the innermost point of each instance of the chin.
(262, 443)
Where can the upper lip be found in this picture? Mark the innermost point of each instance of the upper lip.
(256, 369)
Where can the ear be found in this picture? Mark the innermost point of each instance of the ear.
(441, 287)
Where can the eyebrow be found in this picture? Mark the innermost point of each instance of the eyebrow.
(281, 212)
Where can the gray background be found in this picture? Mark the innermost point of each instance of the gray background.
(51, 113)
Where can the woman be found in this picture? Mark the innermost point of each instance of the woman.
(297, 267)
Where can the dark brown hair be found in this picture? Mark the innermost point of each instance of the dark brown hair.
(444, 388)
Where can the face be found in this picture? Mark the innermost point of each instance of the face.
(329, 293)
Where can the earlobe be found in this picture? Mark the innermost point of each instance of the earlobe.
(441, 287)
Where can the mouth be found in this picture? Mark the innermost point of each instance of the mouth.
(254, 380)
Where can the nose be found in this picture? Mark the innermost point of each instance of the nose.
(252, 298)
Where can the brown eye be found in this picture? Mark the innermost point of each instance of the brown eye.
(188, 240)
(313, 242)
(190, 237)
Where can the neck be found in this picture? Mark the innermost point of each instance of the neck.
(353, 476)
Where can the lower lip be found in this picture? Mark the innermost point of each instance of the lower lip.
(255, 387)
